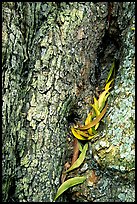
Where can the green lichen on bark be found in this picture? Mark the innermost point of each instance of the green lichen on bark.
(114, 152)
(120, 130)
(40, 75)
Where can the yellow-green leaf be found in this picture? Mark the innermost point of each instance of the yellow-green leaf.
(111, 71)
(88, 119)
(96, 109)
(97, 113)
(108, 84)
(132, 28)
(69, 183)
(96, 102)
(102, 99)
(94, 122)
(91, 137)
(80, 160)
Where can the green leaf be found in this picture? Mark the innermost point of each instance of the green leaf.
(111, 71)
(94, 131)
(81, 158)
(80, 146)
(69, 183)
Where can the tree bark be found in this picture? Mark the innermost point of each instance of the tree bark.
(51, 57)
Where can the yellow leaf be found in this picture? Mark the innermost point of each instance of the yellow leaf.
(78, 136)
(90, 131)
(96, 127)
(83, 133)
(88, 119)
(69, 183)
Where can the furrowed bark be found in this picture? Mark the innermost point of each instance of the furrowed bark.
(49, 69)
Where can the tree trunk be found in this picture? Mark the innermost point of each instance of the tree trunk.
(52, 54)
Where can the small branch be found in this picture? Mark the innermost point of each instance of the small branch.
(75, 151)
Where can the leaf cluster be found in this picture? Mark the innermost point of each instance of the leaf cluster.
(88, 131)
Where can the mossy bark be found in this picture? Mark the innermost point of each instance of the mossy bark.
(50, 56)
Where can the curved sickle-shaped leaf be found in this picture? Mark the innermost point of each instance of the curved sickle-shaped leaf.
(69, 183)
(94, 122)
(90, 131)
(80, 160)
(110, 72)
(97, 113)
(96, 102)
(88, 119)
(78, 136)
(102, 99)
(83, 133)
(80, 146)
(107, 87)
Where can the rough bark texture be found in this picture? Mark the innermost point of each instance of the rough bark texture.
(52, 54)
